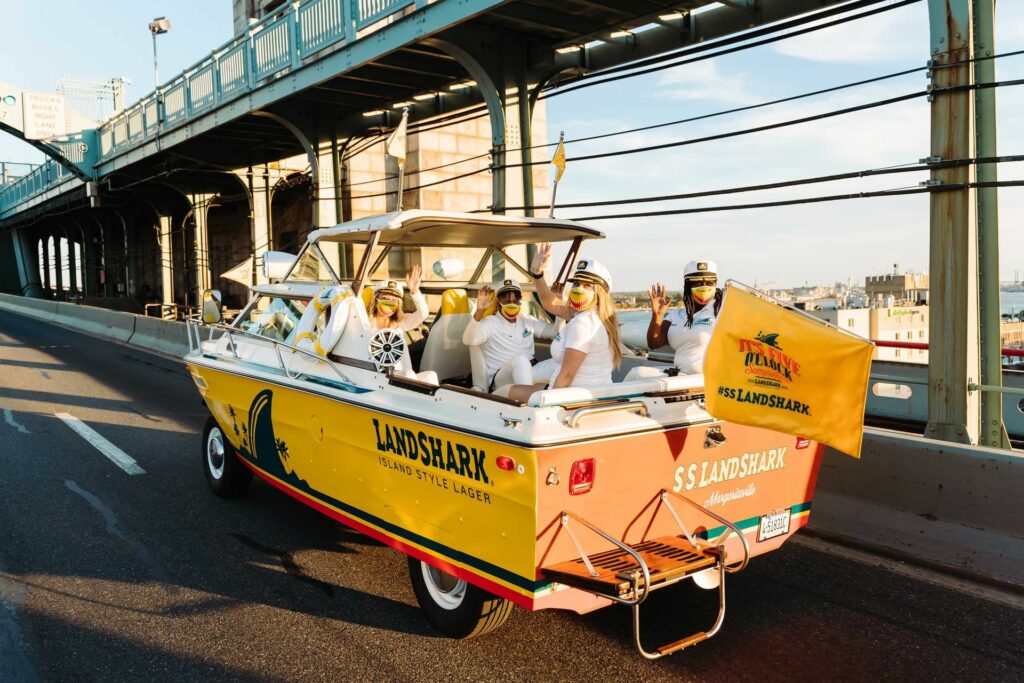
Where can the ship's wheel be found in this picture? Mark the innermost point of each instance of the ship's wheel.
(387, 346)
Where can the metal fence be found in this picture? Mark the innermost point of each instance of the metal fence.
(278, 44)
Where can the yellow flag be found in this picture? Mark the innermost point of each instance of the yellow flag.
(559, 160)
(395, 144)
(770, 367)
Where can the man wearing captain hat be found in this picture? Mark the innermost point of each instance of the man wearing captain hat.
(507, 337)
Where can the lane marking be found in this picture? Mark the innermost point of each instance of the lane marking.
(9, 418)
(113, 453)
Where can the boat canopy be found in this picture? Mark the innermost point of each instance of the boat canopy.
(421, 228)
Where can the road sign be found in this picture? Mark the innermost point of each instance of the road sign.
(43, 115)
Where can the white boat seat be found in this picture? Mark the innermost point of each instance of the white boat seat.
(554, 397)
(444, 353)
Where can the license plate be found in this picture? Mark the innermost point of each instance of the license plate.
(773, 524)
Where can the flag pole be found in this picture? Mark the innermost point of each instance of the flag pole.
(559, 162)
(395, 147)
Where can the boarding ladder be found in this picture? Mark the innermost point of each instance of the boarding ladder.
(629, 572)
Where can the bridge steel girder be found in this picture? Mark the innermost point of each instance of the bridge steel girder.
(427, 20)
(953, 354)
(27, 259)
(691, 29)
(993, 430)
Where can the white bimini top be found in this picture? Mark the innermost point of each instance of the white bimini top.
(690, 343)
(586, 333)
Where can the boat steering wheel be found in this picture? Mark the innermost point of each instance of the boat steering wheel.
(387, 347)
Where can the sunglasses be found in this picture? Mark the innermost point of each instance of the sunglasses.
(706, 282)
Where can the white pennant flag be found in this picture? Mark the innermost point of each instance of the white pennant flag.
(395, 144)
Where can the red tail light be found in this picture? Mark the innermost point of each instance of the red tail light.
(505, 463)
(581, 477)
(802, 442)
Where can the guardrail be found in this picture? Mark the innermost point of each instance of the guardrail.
(277, 44)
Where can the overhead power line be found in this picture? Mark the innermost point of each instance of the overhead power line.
(807, 200)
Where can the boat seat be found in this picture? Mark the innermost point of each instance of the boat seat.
(555, 397)
(444, 353)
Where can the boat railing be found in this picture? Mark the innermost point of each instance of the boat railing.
(194, 326)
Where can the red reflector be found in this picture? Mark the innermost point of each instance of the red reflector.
(581, 477)
(801, 442)
(505, 463)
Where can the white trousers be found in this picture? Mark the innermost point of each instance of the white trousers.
(643, 372)
(517, 370)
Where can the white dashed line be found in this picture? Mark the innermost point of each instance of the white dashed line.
(113, 453)
(9, 417)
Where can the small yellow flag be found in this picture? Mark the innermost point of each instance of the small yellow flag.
(769, 367)
(395, 145)
(559, 159)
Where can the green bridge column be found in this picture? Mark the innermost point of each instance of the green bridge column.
(953, 355)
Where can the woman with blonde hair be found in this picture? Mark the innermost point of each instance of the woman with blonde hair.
(385, 311)
(587, 350)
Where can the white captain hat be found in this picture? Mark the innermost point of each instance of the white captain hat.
(393, 287)
(509, 286)
(589, 270)
(697, 269)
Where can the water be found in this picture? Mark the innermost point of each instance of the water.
(1011, 303)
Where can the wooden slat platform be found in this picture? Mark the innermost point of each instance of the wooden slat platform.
(668, 557)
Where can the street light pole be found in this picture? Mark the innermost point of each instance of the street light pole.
(156, 27)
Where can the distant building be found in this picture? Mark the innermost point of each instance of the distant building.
(899, 324)
(905, 288)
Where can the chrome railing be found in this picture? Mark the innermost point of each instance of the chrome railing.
(194, 331)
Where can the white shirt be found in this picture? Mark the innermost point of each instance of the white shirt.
(586, 333)
(502, 340)
(690, 343)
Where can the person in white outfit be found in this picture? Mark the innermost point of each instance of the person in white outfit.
(688, 328)
(507, 337)
(587, 350)
(385, 311)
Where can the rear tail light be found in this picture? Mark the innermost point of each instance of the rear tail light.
(802, 442)
(505, 463)
(581, 477)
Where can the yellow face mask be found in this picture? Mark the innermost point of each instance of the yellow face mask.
(581, 298)
(702, 295)
(387, 306)
(510, 311)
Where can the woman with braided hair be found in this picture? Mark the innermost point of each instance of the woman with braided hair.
(686, 329)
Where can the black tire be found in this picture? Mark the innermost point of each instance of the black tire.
(473, 614)
(226, 475)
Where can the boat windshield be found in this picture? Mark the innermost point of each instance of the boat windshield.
(310, 267)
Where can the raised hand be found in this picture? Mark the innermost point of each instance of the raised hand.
(413, 279)
(542, 258)
(483, 298)
(483, 301)
(659, 300)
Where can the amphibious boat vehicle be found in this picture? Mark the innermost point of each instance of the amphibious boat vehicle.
(577, 499)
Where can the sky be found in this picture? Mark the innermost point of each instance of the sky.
(776, 247)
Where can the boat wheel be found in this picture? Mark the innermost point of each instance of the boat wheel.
(225, 473)
(454, 606)
(387, 347)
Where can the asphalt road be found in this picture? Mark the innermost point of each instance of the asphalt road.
(109, 576)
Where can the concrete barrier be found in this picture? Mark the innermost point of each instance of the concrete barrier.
(99, 321)
(43, 309)
(151, 334)
(947, 504)
(160, 335)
